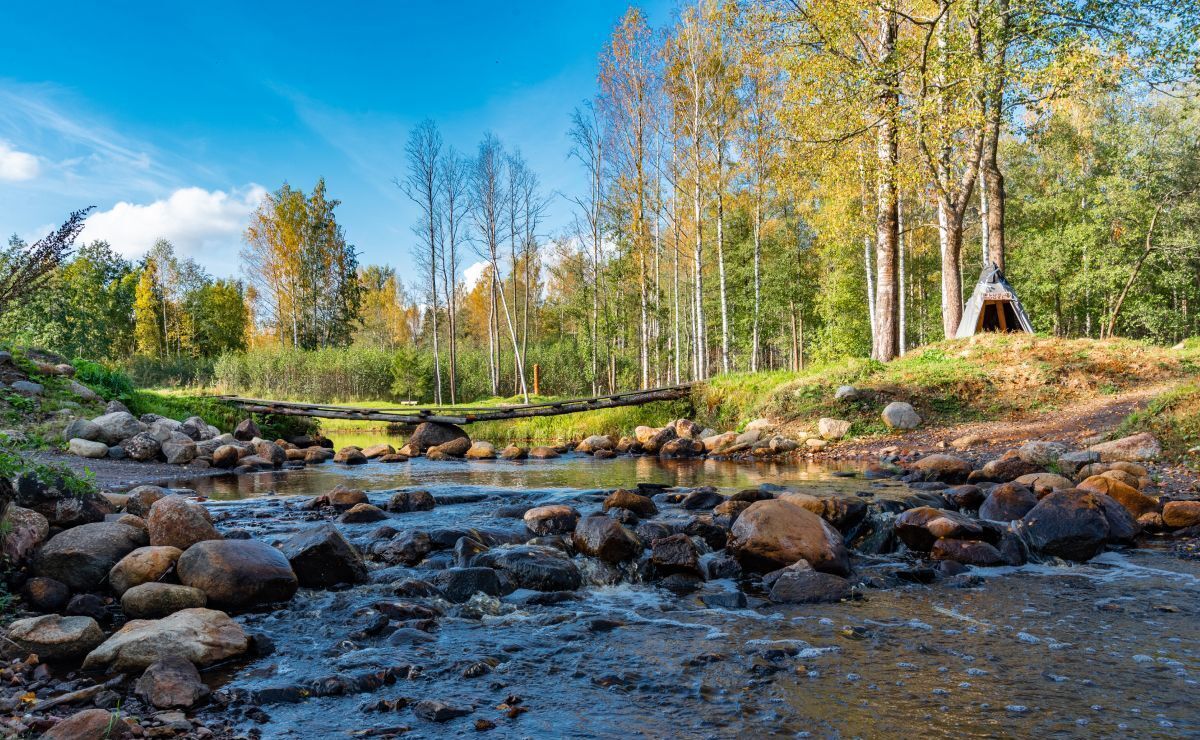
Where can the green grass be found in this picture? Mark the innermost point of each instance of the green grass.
(1174, 418)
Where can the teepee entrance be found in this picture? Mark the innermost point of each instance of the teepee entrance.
(993, 306)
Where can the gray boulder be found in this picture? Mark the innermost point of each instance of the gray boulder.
(82, 556)
(901, 415)
(141, 447)
(83, 429)
(53, 637)
(86, 448)
(117, 426)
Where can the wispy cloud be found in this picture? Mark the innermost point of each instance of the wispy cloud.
(17, 166)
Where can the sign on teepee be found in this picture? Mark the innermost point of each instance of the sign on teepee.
(993, 306)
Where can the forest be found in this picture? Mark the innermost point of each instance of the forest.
(769, 185)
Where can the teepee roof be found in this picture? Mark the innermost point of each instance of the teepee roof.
(993, 290)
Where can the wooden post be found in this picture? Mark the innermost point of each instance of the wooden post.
(537, 379)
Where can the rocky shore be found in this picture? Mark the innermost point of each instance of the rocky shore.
(135, 600)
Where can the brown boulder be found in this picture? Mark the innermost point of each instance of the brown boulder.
(777, 533)
(226, 456)
(456, 447)
(920, 527)
(155, 600)
(362, 514)
(1007, 502)
(635, 502)
(943, 468)
(170, 682)
(140, 499)
(143, 565)
(513, 452)
(432, 433)
(203, 636)
(543, 453)
(605, 538)
(176, 522)
(1180, 514)
(350, 455)
(967, 552)
(237, 572)
(800, 583)
(542, 521)
(90, 724)
(378, 450)
(1137, 502)
(344, 498)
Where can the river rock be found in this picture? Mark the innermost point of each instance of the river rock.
(542, 521)
(1132, 499)
(322, 558)
(90, 724)
(318, 455)
(172, 682)
(1007, 502)
(350, 455)
(543, 453)
(846, 393)
(155, 600)
(378, 450)
(966, 496)
(456, 447)
(1041, 454)
(85, 430)
(513, 452)
(202, 636)
(460, 584)
(593, 443)
(777, 533)
(687, 429)
(408, 501)
(942, 468)
(605, 538)
(635, 502)
(680, 447)
(1122, 476)
(409, 547)
(842, 512)
(1069, 524)
(246, 430)
(53, 637)
(84, 448)
(227, 456)
(800, 583)
(967, 552)
(481, 450)
(533, 566)
(1135, 448)
(658, 440)
(196, 428)
(45, 594)
(21, 532)
(141, 447)
(1005, 468)
(82, 556)
(1043, 483)
(675, 554)
(432, 433)
(1180, 514)
(237, 572)
(900, 415)
(920, 527)
(832, 429)
(140, 499)
(143, 565)
(718, 442)
(178, 522)
(179, 449)
(117, 426)
(362, 514)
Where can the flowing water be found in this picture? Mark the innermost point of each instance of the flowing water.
(1105, 648)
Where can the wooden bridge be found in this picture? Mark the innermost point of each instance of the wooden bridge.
(459, 414)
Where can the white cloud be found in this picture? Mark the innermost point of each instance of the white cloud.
(473, 274)
(17, 166)
(202, 224)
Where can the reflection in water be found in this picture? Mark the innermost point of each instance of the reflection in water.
(1108, 648)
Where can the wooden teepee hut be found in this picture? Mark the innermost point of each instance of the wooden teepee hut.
(993, 306)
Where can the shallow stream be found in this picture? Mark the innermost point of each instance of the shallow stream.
(1106, 648)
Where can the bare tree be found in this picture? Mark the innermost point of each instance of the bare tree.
(453, 207)
(588, 148)
(423, 187)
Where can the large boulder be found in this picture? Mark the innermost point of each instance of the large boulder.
(1007, 502)
(271, 452)
(1043, 483)
(177, 522)
(23, 531)
(85, 448)
(481, 450)
(460, 584)
(594, 443)
(635, 502)
(841, 512)
(118, 426)
(246, 430)
(900, 415)
(350, 455)
(321, 557)
(83, 429)
(832, 428)
(1135, 448)
(456, 447)
(141, 447)
(53, 637)
(1005, 468)
(1180, 514)
(179, 449)
(1076, 524)
(605, 538)
(362, 514)
(373, 451)
(227, 456)
(202, 636)
(82, 556)
(967, 552)
(800, 583)
(139, 500)
(196, 429)
(1137, 502)
(533, 566)
(143, 565)
(920, 527)
(675, 554)
(155, 600)
(776, 533)
(237, 572)
(942, 468)
(172, 682)
(433, 433)
(542, 521)
(1042, 454)
(62, 504)
(90, 724)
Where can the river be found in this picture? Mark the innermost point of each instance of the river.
(1105, 648)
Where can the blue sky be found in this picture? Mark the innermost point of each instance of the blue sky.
(171, 118)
